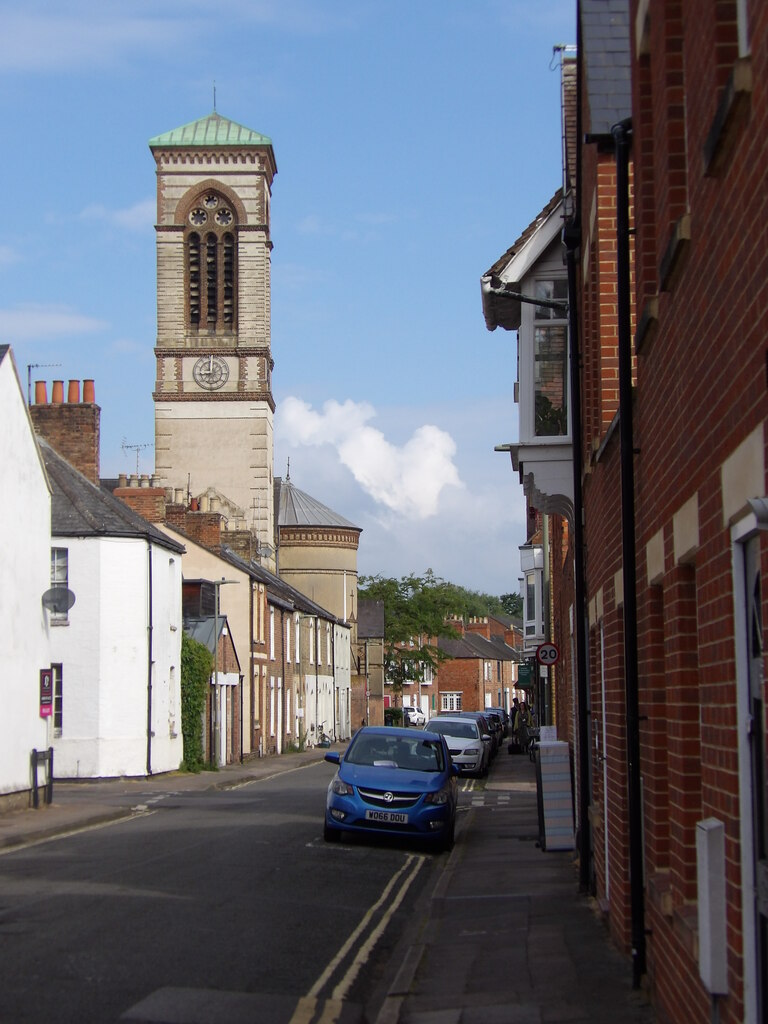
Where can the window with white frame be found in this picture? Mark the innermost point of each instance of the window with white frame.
(312, 642)
(272, 634)
(287, 639)
(174, 606)
(328, 644)
(297, 644)
(58, 699)
(550, 353)
(450, 701)
(59, 579)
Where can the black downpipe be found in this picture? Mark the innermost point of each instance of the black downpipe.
(621, 136)
(150, 656)
(572, 238)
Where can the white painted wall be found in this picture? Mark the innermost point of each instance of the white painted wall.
(104, 651)
(25, 572)
(343, 674)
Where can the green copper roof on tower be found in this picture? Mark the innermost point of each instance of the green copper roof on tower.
(213, 130)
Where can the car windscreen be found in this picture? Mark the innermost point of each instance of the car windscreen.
(414, 754)
(461, 730)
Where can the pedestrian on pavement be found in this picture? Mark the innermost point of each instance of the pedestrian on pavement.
(522, 726)
(514, 746)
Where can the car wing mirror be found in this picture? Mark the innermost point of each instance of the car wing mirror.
(333, 756)
(454, 769)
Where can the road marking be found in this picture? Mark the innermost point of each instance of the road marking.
(367, 948)
(333, 1007)
(130, 816)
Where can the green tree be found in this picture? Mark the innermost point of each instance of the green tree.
(196, 668)
(416, 609)
(512, 605)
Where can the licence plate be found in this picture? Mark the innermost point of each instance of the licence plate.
(394, 817)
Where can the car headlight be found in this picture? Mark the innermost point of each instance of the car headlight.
(342, 788)
(471, 751)
(442, 796)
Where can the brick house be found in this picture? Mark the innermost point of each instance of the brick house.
(478, 672)
(663, 596)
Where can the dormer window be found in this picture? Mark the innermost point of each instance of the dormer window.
(211, 264)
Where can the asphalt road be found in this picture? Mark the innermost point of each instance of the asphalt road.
(210, 906)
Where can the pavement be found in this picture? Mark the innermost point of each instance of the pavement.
(504, 937)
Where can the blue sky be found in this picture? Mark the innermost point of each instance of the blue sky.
(414, 140)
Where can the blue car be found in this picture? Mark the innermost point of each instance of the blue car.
(397, 782)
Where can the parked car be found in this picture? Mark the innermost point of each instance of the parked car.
(503, 718)
(491, 726)
(468, 746)
(413, 716)
(395, 782)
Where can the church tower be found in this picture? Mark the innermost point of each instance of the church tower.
(213, 393)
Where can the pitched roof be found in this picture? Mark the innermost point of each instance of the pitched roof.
(511, 267)
(81, 509)
(284, 593)
(472, 645)
(211, 130)
(606, 61)
(296, 508)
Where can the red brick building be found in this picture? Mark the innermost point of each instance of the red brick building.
(655, 585)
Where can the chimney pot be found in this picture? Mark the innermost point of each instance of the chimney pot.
(57, 395)
(89, 392)
(122, 480)
(178, 495)
(144, 482)
(205, 503)
(73, 394)
(41, 393)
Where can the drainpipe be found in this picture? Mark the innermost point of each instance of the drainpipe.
(149, 659)
(572, 240)
(622, 134)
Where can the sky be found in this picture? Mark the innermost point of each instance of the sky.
(414, 140)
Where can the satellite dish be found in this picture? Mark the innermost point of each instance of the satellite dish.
(58, 600)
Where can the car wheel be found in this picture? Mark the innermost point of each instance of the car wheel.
(446, 843)
(331, 835)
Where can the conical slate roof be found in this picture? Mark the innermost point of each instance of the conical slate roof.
(211, 130)
(295, 508)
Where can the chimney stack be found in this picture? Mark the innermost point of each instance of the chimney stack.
(71, 427)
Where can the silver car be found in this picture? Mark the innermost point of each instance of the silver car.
(470, 750)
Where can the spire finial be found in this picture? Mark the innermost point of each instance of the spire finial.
(214, 95)
(288, 470)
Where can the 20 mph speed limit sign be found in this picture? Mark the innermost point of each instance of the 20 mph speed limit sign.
(547, 654)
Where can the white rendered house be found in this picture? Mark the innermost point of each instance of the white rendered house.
(116, 653)
(25, 529)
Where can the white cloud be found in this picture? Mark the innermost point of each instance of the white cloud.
(133, 218)
(44, 323)
(408, 480)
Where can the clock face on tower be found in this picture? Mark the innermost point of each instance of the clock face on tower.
(211, 372)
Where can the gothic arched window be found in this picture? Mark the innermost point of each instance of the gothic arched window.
(211, 264)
